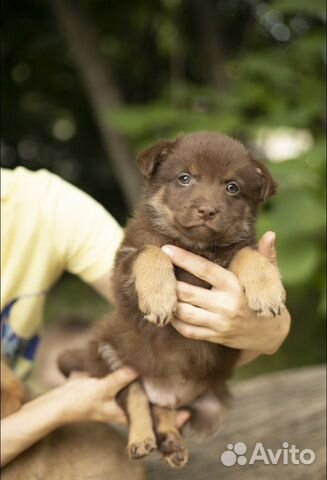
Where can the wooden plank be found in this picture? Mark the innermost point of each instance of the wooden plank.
(287, 406)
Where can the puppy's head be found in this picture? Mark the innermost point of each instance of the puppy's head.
(204, 187)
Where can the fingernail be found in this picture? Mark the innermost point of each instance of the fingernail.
(272, 239)
(168, 250)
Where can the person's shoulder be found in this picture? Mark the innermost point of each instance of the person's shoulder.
(29, 183)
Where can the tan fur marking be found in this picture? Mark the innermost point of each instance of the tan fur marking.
(155, 285)
(260, 280)
(141, 437)
(171, 443)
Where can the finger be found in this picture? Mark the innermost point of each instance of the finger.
(211, 300)
(266, 247)
(195, 315)
(181, 418)
(200, 267)
(119, 379)
(192, 331)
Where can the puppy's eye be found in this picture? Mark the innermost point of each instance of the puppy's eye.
(185, 179)
(232, 188)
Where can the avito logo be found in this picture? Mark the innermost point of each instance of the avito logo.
(238, 453)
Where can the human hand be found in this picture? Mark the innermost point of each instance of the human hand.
(221, 314)
(87, 398)
(94, 399)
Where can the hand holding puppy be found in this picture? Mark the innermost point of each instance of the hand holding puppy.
(221, 314)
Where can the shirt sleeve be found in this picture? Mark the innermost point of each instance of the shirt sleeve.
(85, 235)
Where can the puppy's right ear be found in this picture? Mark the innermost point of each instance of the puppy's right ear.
(150, 159)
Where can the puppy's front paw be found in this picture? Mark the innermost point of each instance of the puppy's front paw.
(155, 285)
(261, 282)
(160, 306)
(265, 292)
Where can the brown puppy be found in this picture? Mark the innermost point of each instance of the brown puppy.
(202, 194)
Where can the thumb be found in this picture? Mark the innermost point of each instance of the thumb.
(182, 417)
(118, 380)
(266, 247)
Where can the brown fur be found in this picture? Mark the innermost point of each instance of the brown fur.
(13, 393)
(203, 218)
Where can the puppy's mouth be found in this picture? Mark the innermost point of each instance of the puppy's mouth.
(200, 228)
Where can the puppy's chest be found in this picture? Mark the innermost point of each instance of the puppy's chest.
(173, 392)
(184, 276)
(187, 277)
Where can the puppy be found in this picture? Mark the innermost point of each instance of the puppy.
(202, 193)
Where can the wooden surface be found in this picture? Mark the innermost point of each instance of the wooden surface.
(272, 409)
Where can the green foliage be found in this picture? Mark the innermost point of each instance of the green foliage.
(313, 8)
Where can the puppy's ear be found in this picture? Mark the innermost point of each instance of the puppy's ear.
(268, 186)
(149, 159)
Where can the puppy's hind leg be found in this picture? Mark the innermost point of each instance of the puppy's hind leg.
(141, 437)
(170, 441)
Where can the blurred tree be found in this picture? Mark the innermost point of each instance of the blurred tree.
(209, 31)
(101, 89)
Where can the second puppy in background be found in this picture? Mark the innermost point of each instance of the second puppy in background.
(202, 194)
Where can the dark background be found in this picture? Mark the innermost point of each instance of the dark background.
(87, 84)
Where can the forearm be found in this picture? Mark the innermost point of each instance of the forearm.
(76, 400)
(32, 422)
(104, 285)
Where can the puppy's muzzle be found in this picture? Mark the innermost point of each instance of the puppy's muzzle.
(207, 212)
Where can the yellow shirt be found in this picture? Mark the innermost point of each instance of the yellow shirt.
(47, 226)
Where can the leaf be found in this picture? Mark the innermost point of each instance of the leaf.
(294, 213)
(314, 7)
(298, 260)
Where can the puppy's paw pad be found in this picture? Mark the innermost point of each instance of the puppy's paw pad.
(174, 451)
(141, 449)
(177, 459)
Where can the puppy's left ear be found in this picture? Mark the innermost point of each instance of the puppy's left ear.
(150, 159)
(268, 186)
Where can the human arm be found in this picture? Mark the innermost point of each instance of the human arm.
(221, 314)
(103, 286)
(77, 400)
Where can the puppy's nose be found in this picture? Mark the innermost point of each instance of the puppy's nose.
(206, 212)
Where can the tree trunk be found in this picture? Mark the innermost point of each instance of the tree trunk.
(213, 53)
(100, 87)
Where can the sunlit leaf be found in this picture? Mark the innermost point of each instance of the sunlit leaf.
(298, 260)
